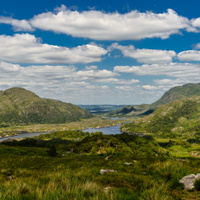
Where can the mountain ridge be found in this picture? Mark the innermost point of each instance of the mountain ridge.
(173, 94)
(18, 105)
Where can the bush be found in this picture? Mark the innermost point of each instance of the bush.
(197, 185)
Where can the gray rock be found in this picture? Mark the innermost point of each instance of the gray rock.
(108, 157)
(105, 171)
(189, 181)
(180, 160)
(195, 153)
(128, 163)
(106, 189)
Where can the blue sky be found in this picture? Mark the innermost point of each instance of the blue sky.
(99, 52)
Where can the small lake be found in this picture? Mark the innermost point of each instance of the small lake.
(22, 135)
(112, 130)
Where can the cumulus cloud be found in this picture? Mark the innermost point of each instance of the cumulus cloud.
(118, 81)
(197, 46)
(168, 69)
(26, 48)
(145, 55)
(99, 25)
(176, 74)
(196, 23)
(191, 55)
(66, 83)
(86, 86)
(149, 87)
(18, 25)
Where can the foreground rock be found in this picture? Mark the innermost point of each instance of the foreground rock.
(105, 171)
(189, 181)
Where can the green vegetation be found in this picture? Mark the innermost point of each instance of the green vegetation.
(20, 106)
(70, 169)
(176, 119)
(178, 93)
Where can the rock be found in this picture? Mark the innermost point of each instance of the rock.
(10, 177)
(128, 163)
(106, 189)
(189, 181)
(105, 171)
(108, 157)
(180, 160)
(195, 153)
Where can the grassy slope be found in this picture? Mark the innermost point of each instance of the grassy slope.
(35, 175)
(177, 93)
(176, 118)
(18, 105)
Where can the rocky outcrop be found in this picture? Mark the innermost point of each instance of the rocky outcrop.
(195, 153)
(189, 181)
(105, 171)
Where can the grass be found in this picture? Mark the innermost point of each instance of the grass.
(30, 173)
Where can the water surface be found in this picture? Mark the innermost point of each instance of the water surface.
(22, 135)
(112, 130)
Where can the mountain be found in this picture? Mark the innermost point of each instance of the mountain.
(175, 93)
(100, 109)
(129, 111)
(18, 105)
(175, 118)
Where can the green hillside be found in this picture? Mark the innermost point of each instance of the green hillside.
(176, 93)
(175, 118)
(18, 105)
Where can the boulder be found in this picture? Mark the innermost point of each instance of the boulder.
(195, 153)
(128, 163)
(189, 181)
(105, 171)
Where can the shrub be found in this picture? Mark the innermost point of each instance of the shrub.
(197, 185)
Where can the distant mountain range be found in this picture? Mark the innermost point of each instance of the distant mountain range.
(20, 106)
(175, 93)
(100, 109)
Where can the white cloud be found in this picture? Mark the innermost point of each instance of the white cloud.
(117, 81)
(96, 73)
(91, 67)
(87, 86)
(26, 48)
(196, 23)
(145, 55)
(170, 69)
(18, 25)
(99, 25)
(66, 83)
(176, 74)
(197, 46)
(149, 87)
(166, 84)
(191, 55)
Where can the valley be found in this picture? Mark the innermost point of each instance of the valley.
(147, 160)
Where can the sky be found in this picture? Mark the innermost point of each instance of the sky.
(99, 52)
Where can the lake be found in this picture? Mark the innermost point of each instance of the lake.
(105, 130)
(22, 135)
